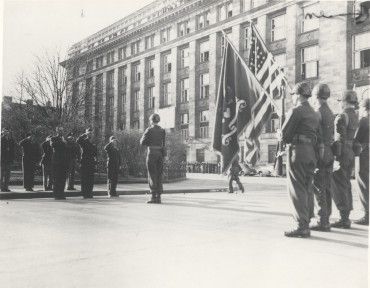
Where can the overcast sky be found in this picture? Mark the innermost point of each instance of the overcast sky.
(31, 26)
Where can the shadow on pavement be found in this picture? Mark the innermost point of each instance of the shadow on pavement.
(353, 244)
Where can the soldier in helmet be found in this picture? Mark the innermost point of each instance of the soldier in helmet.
(362, 172)
(345, 126)
(324, 172)
(301, 134)
(154, 138)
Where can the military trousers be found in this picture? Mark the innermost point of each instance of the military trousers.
(5, 176)
(323, 191)
(154, 162)
(87, 180)
(71, 174)
(112, 180)
(28, 173)
(47, 176)
(59, 174)
(342, 190)
(235, 178)
(300, 181)
(362, 178)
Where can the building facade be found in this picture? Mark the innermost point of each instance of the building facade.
(166, 58)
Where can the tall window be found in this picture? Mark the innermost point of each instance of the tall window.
(122, 53)
(99, 62)
(165, 35)
(183, 28)
(89, 66)
(184, 57)
(202, 20)
(184, 87)
(280, 60)
(122, 77)
(184, 118)
(225, 11)
(166, 63)
(204, 51)
(76, 71)
(204, 124)
(184, 134)
(309, 24)
(135, 47)
(88, 99)
(310, 62)
(204, 85)
(150, 68)
(110, 57)
(136, 72)
(278, 28)
(75, 92)
(151, 98)
(110, 81)
(136, 100)
(361, 50)
(166, 94)
(149, 41)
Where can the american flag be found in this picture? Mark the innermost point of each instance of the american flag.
(270, 76)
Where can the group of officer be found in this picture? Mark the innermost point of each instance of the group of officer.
(321, 152)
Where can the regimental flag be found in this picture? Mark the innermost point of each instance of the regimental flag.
(270, 76)
(238, 92)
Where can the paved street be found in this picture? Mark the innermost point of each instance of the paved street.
(192, 240)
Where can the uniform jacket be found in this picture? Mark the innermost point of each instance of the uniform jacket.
(154, 136)
(73, 150)
(89, 151)
(326, 118)
(47, 153)
(113, 159)
(302, 120)
(362, 136)
(31, 151)
(59, 147)
(7, 150)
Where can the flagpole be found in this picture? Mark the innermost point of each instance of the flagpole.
(255, 78)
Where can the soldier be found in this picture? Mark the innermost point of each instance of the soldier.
(7, 158)
(113, 165)
(345, 125)
(30, 158)
(74, 154)
(362, 172)
(88, 163)
(59, 164)
(324, 172)
(154, 138)
(46, 163)
(301, 132)
(234, 175)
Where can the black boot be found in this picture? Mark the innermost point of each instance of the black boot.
(298, 233)
(363, 221)
(343, 222)
(322, 225)
(158, 199)
(153, 200)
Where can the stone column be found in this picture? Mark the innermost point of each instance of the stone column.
(93, 102)
(192, 90)
(142, 94)
(157, 80)
(174, 61)
(104, 104)
(128, 96)
(115, 101)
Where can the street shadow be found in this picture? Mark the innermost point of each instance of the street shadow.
(349, 233)
(353, 244)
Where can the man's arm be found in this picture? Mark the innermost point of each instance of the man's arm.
(290, 124)
(144, 141)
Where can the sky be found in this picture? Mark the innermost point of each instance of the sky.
(31, 27)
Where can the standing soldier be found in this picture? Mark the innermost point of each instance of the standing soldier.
(301, 132)
(362, 172)
(74, 154)
(154, 138)
(59, 164)
(113, 165)
(7, 158)
(324, 174)
(234, 171)
(88, 163)
(47, 153)
(30, 158)
(345, 125)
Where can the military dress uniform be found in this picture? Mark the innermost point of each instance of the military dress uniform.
(30, 158)
(324, 172)
(234, 176)
(74, 154)
(59, 166)
(346, 124)
(154, 139)
(88, 164)
(46, 164)
(113, 165)
(362, 171)
(7, 158)
(301, 132)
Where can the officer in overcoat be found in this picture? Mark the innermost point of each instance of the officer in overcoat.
(324, 172)
(113, 165)
(30, 159)
(88, 163)
(73, 156)
(345, 126)
(7, 158)
(47, 153)
(362, 171)
(154, 138)
(59, 164)
(301, 132)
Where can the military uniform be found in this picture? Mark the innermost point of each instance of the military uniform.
(362, 171)
(73, 155)
(46, 165)
(88, 164)
(346, 124)
(154, 138)
(7, 158)
(59, 166)
(234, 176)
(30, 158)
(301, 132)
(113, 164)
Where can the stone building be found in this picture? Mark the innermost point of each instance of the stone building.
(166, 57)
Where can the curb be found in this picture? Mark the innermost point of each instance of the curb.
(34, 195)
